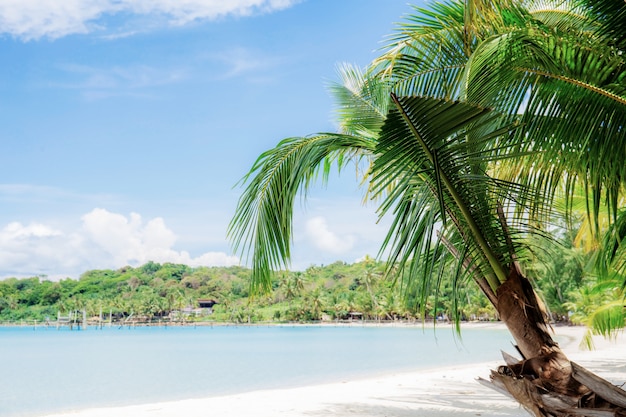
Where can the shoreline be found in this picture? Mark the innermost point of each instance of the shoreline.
(429, 324)
(434, 392)
(164, 323)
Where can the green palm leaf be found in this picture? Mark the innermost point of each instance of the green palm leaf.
(262, 226)
(610, 16)
(362, 102)
(565, 90)
(436, 153)
(606, 320)
(541, 63)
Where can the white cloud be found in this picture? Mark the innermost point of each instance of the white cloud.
(26, 249)
(184, 11)
(16, 231)
(34, 19)
(105, 240)
(323, 238)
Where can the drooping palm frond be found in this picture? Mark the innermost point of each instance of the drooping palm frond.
(600, 305)
(564, 15)
(261, 228)
(444, 204)
(430, 50)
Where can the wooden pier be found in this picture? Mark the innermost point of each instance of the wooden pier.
(75, 319)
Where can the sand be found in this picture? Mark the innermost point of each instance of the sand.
(440, 392)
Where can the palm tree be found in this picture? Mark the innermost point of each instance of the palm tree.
(297, 282)
(370, 279)
(449, 213)
(457, 177)
(561, 72)
(316, 303)
(338, 305)
(546, 67)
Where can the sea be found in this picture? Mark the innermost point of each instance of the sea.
(44, 370)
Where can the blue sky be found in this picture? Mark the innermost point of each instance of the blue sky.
(126, 124)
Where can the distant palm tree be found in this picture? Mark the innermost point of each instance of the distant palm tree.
(316, 303)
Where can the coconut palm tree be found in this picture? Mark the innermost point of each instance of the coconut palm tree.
(448, 213)
(464, 184)
(549, 67)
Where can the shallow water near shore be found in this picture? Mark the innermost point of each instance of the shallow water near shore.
(45, 370)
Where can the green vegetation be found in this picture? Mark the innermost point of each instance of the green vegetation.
(154, 292)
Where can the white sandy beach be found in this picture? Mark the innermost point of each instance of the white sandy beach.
(439, 392)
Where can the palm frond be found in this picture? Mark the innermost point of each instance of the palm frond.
(261, 228)
(564, 15)
(426, 56)
(436, 154)
(611, 256)
(610, 16)
(361, 102)
(606, 320)
(538, 62)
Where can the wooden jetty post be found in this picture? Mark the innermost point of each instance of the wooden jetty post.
(62, 320)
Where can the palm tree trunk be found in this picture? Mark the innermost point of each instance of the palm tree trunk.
(545, 381)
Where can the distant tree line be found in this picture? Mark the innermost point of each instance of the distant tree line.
(338, 291)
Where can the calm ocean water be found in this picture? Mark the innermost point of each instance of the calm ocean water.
(49, 370)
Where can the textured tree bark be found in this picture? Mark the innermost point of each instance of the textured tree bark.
(544, 381)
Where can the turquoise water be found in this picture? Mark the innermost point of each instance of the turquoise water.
(49, 370)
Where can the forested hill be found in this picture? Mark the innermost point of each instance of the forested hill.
(160, 291)
(337, 291)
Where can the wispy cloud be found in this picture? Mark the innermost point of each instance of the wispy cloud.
(131, 80)
(35, 19)
(41, 194)
(242, 61)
